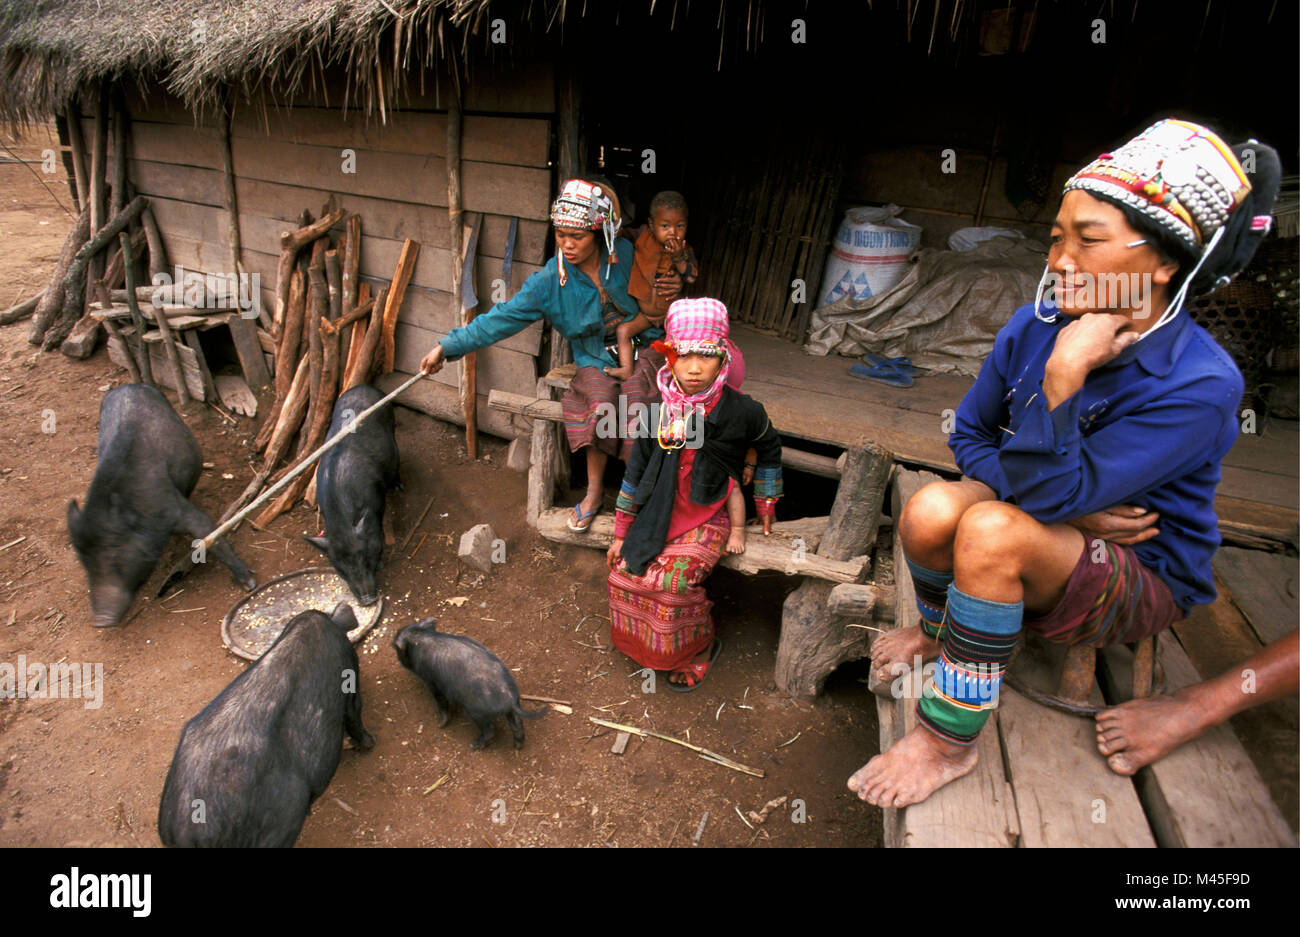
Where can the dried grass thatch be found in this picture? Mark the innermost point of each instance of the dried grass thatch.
(52, 50)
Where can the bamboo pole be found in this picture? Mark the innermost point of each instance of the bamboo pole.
(703, 752)
(21, 310)
(310, 460)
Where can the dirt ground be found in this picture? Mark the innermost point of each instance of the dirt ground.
(71, 775)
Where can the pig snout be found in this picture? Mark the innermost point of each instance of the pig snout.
(108, 605)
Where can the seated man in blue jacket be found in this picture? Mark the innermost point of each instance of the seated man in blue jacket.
(1091, 444)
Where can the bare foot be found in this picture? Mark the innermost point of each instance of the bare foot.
(620, 374)
(736, 540)
(918, 765)
(1139, 732)
(900, 646)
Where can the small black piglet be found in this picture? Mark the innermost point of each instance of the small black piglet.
(463, 673)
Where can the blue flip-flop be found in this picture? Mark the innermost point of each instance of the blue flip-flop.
(577, 509)
(894, 371)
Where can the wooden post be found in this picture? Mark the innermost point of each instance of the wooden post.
(469, 363)
(541, 472)
(813, 641)
(128, 267)
(77, 142)
(98, 169)
(118, 198)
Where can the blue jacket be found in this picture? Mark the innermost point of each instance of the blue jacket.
(1149, 428)
(573, 309)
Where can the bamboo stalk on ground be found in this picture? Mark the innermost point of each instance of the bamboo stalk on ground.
(52, 299)
(703, 752)
(21, 310)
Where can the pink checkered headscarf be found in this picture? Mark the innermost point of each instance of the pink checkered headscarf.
(695, 326)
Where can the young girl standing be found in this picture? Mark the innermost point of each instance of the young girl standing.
(672, 522)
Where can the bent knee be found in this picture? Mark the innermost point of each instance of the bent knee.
(994, 528)
(930, 517)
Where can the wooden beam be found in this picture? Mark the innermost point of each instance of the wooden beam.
(774, 553)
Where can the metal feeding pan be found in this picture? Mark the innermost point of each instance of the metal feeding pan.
(258, 618)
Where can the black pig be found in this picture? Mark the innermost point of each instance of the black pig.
(249, 766)
(149, 463)
(351, 485)
(463, 673)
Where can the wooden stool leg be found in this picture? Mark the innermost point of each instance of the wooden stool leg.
(1143, 667)
(1077, 674)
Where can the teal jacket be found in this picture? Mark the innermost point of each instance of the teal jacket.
(573, 310)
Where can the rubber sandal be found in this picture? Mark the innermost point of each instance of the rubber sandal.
(588, 517)
(896, 372)
(694, 670)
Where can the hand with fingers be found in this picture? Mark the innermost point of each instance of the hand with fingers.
(1125, 524)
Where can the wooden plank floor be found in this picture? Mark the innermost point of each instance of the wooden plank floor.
(1051, 787)
(816, 398)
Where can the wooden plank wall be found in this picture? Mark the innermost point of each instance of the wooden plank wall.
(290, 158)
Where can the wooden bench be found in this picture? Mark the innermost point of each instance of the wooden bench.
(1053, 788)
(832, 554)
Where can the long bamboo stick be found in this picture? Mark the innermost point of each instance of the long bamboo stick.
(704, 752)
(309, 461)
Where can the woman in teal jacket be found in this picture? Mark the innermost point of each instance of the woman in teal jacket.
(582, 292)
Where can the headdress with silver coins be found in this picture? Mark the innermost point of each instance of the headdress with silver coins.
(1189, 185)
(587, 206)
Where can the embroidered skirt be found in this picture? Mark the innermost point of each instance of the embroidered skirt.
(592, 414)
(664, 618)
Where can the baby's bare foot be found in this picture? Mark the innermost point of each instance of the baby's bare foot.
(736, 541)
(621, 374)
(917, 766)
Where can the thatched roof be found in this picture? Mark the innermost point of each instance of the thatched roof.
(51, 49)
